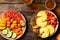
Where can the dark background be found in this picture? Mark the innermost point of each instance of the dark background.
(18, 5)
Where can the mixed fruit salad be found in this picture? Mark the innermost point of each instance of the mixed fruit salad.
(45, 23)
(11, 24)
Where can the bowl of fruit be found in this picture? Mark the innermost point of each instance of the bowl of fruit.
(44, 23)
(12, 25)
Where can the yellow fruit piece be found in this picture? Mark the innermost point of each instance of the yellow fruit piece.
(1, 27)
(3, 18)
(39, 19)
(14, 22)
(35, 26)
(22, 23)
(43, 15)
(44, 32)
(45, 35)
(12, 25)
(1, 21)
(51, 29)
(2, 24)
(40, 23)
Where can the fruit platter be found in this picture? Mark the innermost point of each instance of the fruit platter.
(12, 24)
(44, 23)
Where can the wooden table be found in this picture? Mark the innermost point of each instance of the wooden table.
(27, 12)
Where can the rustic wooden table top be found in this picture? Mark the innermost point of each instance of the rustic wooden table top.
(27, 12)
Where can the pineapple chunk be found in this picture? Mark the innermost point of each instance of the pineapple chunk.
(51, 29)
(40, 23)
(44, 32)
(43, 15)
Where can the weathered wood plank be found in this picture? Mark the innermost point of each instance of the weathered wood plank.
(27, 12)
(21, 1)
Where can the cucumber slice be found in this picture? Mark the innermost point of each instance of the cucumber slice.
(14, 35)
(9, 34)
(7, 29)
(4, 32)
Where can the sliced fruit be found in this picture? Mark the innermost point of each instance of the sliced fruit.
(2, 24)
(22, 23)
(13, 25)
(1, 28)
(14, 35)
(41, 24)
(14, 22)
(2, 21)
(45, 35)
(43, 15)
(51, 29)
(9, 34)
(44, 32)
(4, 31)
(39, 19)
(3, 18)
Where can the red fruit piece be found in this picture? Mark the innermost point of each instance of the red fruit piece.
(8, 18)
(8, 23)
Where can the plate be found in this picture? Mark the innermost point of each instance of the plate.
(23, 28)
(35, 27)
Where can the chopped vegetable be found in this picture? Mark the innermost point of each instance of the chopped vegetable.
(4, 31)
(9, 34)
(14, 35)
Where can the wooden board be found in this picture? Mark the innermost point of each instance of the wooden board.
(28, 13)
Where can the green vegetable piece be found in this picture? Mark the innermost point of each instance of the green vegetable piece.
(7, 29)
(14, 35)
(4, 32)
(9, 34)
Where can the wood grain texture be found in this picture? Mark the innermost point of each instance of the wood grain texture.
(28, 13)
(21, 1)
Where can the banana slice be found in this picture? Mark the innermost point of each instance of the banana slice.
(40, 23)
(43, 15)
(51, 29)
(44, 32)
